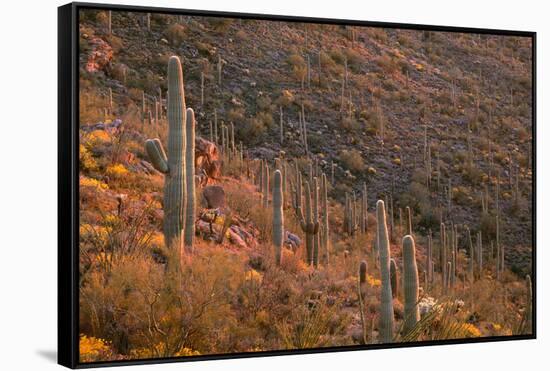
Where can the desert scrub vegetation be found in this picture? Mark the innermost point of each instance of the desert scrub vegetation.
(401, 198)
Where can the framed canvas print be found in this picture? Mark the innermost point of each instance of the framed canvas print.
(237, 185)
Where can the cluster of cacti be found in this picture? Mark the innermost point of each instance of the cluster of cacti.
(410, 284)
(386, 302)
(278, 216)
(173, 166)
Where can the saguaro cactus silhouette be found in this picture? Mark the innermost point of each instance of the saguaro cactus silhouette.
(189, 231)
(386, 303)
(173, 165)
(278, 216)
(410, 284)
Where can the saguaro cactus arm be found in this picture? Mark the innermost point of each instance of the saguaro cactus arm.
(156, 153)
(189, 230)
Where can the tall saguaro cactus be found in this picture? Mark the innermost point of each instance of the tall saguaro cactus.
(189, 231)
(316, 238)
(309, 225)
(278, 217)
(386, 303)
(410, 284)
(324, 207)
(173, 165)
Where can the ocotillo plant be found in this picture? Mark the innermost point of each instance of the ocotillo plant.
(309, 225)
(386, 303)
(324, 207)
(278, 217)
(410, 284)
(173, 165)
(394, 278)
(189, 231)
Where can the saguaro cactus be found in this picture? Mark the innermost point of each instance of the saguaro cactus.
(443, 254)
(471, 257)
(266, 186)
(324, 207)
(189, 231)
(386, 303)
(394, 278)
(409, 221)
(364, 210)
(278, 217)
(309, 225)
(173, 165)
(361, 289)
(316, 238)
(410, 284)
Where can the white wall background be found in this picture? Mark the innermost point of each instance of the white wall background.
(28, 155)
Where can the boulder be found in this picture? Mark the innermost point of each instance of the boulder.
(214, 196)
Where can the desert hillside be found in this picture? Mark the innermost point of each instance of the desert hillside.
(426, 133)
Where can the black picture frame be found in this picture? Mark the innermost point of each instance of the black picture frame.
(68, 190)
